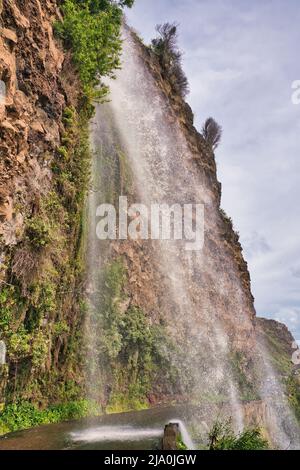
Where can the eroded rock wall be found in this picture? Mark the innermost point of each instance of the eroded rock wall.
(30, 114)
(39, 222)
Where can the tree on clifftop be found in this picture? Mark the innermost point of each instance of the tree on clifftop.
(170, 57)
(212, 132)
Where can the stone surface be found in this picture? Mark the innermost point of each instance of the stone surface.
(171, 436)
(38, 86)
(30, 116)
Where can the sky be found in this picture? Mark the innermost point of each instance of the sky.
(241, 59)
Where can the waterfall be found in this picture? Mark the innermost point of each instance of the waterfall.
(205, 304)
(281, 422)
(185, 435)
(160, 161)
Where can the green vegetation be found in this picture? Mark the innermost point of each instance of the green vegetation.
(41, 308)
(38, 232)
(281, 360)
(128, 342)
(246, 385)
(222, 437)
(293, 393)
(91, 29)
(170, 57)
(26, 415)
(71, 168)
(180, 445)
(9, 299)
(278, 343)
(132, 399)
(226, 217)
(231, 235)
(135, 351)
(40, 313)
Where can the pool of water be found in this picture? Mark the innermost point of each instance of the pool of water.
(138, 430)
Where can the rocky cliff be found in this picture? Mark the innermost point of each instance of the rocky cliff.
(185, 303)
(284, 357)
(31, 112)
(41, 200)
(176, 327)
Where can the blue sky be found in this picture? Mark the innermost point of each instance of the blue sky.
(241, 58)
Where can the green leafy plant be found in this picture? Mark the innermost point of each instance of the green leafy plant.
(7, 305)
(25, 415)
(134, 349)
(60, 328)
(40, 347)
(38, 232)
(40, 314)
(293, 393)
(222, 437)
(246, 385)
(63, 152)
(91, 29)
(180, 445)
(19, 345)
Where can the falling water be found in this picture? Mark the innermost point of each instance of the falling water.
(163, 172)
(204, 302)
(115, 434)
(281, 422)
(185, 435)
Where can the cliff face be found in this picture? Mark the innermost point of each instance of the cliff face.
(279, 342)
(40, 210)
(284, 357)
(197, 312)
(221, 241)
(30, 64)
(147, 148)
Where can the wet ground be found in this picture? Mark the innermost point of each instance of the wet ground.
(141, 430)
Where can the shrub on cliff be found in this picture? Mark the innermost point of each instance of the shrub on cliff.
(222, 437)
(170, 57)
(212, 132)
(91, 29)
(38, 232)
